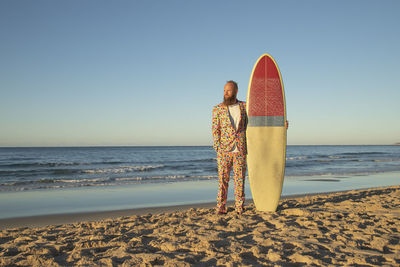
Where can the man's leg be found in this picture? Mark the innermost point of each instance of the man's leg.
(224, 170)
(239, 172)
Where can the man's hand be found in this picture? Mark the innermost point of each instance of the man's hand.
(287, 124)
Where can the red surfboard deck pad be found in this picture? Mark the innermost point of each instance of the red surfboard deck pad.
(266, 103)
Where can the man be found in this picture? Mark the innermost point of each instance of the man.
(229, 122)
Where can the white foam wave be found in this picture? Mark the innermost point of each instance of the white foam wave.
(296, 158)
(82, 180)
(123, 169)
(129, 179)
(169, 177)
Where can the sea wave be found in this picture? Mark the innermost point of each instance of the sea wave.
(39, 164)
(192, 161)
(124, 169)
(297, 158)
(202, 160)
(56, 164)
(362, 153)
(386, 160)
(108, 181)
(339, 172)
(51, 181)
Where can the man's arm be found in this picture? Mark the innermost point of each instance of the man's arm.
(216, 130)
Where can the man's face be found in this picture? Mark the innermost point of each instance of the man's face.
(229, 91)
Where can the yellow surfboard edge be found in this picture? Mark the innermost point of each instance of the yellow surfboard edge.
(266, 157)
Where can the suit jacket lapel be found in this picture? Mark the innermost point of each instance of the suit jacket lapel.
(227, 116)
(242, 115)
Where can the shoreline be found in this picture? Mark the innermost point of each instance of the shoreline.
(356, 227)
(96, 216)
(92, 202)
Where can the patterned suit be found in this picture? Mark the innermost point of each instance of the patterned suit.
(225, 138)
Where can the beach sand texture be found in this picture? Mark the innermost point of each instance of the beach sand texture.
(359, 227)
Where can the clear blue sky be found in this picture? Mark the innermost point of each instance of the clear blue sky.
(149, 72)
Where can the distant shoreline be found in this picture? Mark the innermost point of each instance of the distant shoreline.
(155, 146)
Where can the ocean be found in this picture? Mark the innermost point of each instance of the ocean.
(44, 168)
(42, 180)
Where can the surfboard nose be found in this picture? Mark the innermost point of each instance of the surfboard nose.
(266, 95)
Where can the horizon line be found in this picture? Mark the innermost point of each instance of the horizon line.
(78, 146)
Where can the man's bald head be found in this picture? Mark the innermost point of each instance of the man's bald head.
(230, 92)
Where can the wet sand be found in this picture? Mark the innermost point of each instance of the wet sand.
(358, 227)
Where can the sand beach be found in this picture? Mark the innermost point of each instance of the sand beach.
(358, 227)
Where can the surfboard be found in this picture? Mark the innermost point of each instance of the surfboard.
(266, 133)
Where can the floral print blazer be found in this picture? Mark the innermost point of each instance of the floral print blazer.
(224, 134)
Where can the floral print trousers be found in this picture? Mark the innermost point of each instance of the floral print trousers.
(227, 160)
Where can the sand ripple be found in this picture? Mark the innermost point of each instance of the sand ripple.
(352, 228)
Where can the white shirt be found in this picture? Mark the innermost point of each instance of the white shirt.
(234, 116)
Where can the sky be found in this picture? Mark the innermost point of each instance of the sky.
(100, 73)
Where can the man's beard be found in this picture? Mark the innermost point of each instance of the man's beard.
(230, 100)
